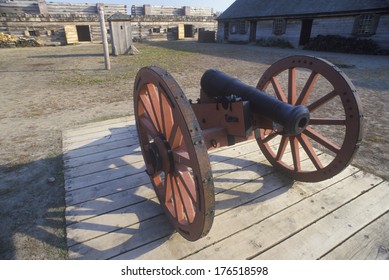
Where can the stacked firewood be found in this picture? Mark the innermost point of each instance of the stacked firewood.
(7, 41)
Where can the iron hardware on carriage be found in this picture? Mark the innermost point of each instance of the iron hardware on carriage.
(304, 113)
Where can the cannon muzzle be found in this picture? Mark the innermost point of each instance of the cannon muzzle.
(294, 119)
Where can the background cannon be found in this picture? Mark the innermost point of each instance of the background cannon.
(304, 113)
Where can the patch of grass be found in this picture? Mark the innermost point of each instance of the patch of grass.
(169, 57)
(105, 118)
(125, 67)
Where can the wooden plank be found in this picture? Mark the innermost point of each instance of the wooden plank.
(251, 172)
(89, 167)
(90, 221)
(226, 164)
(181, 31)
(370, 243)
(72, 145)
(109, 245)
(76, 233)
(113, 213)
(272, 195)
(160, 233)
(113, 221)
(101, 190)
(102, 125)
(334, 228)
(263, 235)
(103, 146)
(71, 34)
(106, 176)
(92, 129)
(74, 182)
(109, 203)
(109, 164)
(90, 136)
(96, 157)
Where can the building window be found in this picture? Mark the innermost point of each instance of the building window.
(238, 28)
(279, 26)
(156, 30)
(242, 27)
(234, 28)
(365, 25)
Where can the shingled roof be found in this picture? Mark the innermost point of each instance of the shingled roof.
(287, 8)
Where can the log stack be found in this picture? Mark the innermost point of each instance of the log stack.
(8, 41)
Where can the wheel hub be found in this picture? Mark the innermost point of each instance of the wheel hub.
(159, 156)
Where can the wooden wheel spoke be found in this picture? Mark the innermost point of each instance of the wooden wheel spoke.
(316, 136)
(176, 201)
(278, 90)
(320, 102)
(187, 182)
(187, 189)
(282, 147)
(307, 89)
(319, 121)
(148, 109)
(184, 206)
(149, 126)
(295, 153)
(270, 137)
(307, 146)
(168, 190)
(167, 116)
(176, 138)
(182, 157)
(154, 97)
(292, 86)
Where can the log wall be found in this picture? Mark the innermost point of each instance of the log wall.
(46, 20)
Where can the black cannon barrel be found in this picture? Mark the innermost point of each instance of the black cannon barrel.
(294, 119)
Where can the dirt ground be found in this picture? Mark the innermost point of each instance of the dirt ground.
(46, 90)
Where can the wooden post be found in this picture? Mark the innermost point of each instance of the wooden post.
(100, 9)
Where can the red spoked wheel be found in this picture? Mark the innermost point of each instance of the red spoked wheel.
(174, 152)
(333, 134)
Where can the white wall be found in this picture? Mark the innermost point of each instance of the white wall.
(333, 26)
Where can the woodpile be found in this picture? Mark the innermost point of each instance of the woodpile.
(8, 41)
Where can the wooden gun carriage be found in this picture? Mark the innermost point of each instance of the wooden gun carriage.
(304, 113)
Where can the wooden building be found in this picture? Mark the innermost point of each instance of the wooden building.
(121, 34)
(299, 20)
(170, 23)
(54, 23)
(62, 23)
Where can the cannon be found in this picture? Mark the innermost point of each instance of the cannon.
(304, 113)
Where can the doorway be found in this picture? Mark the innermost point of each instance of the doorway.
(226, 31)
(253, 31)
(306, 28)
(188, 31)
(83, 33)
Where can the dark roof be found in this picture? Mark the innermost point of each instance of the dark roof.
(277, 8)
(118, 16)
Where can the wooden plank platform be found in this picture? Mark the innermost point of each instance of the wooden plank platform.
(112, 211)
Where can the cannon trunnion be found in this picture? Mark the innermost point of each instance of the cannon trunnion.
(304, 114)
